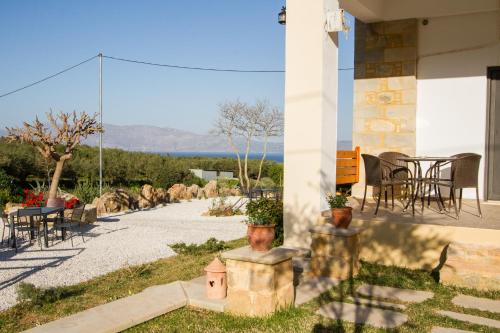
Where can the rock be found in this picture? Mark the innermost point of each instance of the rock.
(147, 197)
(114, 202)
(11, 206)
(162, 196)
(210, 190)
(67, 196)
(90, 214)
(177, 192)
(192, 191)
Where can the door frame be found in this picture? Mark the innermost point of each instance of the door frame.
(489, 110)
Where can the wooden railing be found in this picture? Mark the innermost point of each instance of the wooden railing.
(348, 166)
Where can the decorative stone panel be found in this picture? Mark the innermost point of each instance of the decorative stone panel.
(385, 89)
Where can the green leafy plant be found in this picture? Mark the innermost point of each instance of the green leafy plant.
(337, 200)
(220, 207)
(264, 211)
(210, 246)
(86, 192)
(40, 296)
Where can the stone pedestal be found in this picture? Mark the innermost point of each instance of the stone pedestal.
(334, 252)
(259, 283)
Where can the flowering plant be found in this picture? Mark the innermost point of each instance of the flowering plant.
(33, 200)
(71, 203)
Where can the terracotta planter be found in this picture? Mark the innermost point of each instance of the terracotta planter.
(260, 237)
(341, 217)
(57, 202)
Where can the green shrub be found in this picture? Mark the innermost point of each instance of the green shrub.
(228, 183)
(86, 192)
(210, 246)
(9, 191)
(267, 182)
(275, 172)
(336, 201)
(41, 296)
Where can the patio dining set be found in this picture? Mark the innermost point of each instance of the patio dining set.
(33, 223)
(404, 176)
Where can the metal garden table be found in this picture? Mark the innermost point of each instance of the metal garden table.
(45, 211)
(420, 179)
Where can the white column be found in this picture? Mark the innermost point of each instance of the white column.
(310, 116)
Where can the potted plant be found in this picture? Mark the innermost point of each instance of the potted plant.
(263, 216)
(341, 213)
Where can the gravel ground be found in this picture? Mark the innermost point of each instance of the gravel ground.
(113, 242)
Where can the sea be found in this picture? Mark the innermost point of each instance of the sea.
(277, 157)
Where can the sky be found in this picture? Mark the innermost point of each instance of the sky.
(39, 38)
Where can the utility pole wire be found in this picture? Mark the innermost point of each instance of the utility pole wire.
(195, 68)
(150, 64)
(48, 77)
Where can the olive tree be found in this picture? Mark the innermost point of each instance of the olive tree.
(238, 120)
(57, 139)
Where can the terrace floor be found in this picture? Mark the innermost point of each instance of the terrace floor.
(469, 216)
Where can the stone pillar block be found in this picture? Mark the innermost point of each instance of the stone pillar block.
(259, 283)
(335, 252)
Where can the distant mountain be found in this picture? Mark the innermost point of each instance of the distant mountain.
(164, 139)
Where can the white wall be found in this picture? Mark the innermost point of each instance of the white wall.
(454, 53)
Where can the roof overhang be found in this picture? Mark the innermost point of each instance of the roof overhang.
(388, 10)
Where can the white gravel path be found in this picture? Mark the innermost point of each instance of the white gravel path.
(112, 243)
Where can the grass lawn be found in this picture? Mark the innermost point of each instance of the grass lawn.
(303, 319)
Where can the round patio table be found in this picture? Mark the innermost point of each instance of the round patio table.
(420, 179)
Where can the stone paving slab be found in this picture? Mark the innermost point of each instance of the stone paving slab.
(483, 304)
(122, 313)
(403, 295)
(471, 319)
(376, 303)
(448, 330)
(360, 314)
(312, 288)
(196, 293)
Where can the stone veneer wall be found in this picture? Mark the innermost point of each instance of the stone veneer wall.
(385, 89)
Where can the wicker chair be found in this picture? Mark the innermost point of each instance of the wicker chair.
(70, 223)
(464, 174)
(398, 170)
(381, 173)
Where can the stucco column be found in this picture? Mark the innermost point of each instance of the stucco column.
(310, 116)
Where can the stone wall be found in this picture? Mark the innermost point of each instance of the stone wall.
(385, 89)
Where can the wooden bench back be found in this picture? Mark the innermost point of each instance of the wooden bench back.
(348, 166)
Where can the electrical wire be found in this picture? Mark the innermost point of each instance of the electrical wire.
(150, 64)
(48, 77)
(194, 68)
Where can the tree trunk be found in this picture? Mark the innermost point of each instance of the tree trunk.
(248, 185)
(264, 153)
(55, 179)
(240, 168)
